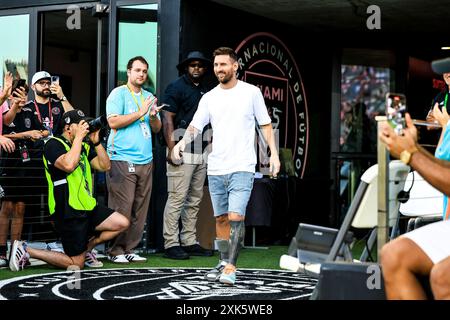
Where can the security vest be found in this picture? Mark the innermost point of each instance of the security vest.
(79, 181)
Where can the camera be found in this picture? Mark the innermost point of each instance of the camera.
(97, 123)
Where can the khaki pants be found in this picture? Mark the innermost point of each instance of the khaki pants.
(129, 194)
(185, 191)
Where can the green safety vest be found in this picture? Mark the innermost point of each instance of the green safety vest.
(79, 181)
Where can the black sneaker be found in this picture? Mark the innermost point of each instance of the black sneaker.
(197, 250)
(176, 253)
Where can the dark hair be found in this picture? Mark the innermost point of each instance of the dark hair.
(225, 51)
(139, 58)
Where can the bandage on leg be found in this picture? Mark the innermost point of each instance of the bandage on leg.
(237, 234)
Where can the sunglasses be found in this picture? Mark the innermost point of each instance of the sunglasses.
(44, 83)
(194, 65)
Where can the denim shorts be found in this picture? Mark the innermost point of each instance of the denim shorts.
(230, 192)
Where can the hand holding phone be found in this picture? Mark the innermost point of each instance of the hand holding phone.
(395, 111)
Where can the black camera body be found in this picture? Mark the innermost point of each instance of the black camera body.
(97, 123)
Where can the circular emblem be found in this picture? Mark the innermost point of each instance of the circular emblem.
(266, 62)
(27, 123)
(56, 111)
(157, 284)
(80, 113)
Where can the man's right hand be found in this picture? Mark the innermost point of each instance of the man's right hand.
(177, 151)
(395, 143)
(7, 144)
(80, 130)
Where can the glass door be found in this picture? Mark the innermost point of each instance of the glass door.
(136, 31)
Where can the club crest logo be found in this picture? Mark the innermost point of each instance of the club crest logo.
(157, 284)
(266, 62)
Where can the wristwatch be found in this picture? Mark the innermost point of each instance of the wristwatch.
(63, 98)
(405, 156)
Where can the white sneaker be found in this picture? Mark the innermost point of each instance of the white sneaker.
(120, 258)
(133, 257)
(19, 256)
(3, 261)
(91, 260)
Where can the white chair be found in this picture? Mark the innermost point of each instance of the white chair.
(424, 204)
(363, 211)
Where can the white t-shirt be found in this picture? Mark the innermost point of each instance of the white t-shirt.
(232, 113)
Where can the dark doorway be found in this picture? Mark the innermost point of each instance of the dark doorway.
(69, 50)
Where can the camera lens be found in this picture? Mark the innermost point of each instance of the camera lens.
(97, 123)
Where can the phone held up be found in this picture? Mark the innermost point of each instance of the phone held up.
(55, 79)
(395, 111)
(17, 84)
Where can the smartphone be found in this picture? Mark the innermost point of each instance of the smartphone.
(55, 79)
(17, 83)
(395, 111)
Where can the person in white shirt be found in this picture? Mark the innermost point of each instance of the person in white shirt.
(231, 108)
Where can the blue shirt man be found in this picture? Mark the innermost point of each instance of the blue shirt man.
(132, 115)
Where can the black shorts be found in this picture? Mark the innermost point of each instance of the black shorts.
(77, 227)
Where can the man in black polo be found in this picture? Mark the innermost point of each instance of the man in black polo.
(184, 180)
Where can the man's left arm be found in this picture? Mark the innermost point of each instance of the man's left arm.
(269, 136)
(155, 123)
(101, 162)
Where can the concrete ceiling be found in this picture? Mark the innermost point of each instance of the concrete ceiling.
(350, 15)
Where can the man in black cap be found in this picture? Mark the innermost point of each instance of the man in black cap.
(80, 220)
(184, 180)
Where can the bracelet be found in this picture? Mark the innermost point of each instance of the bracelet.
(96, 144)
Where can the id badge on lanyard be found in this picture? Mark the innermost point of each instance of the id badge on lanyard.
(145, 129)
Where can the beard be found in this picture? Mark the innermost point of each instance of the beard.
(44, 93)
(138, 83)
(226, 77)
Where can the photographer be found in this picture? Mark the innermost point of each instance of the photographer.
(81, 222)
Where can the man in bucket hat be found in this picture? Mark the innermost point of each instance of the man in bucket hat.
(184, 180)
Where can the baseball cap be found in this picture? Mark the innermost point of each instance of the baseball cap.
(74, 116)
(441, 66)
(39, 76)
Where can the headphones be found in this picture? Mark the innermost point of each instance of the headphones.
(403, 196)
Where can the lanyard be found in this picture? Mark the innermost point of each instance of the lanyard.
(49, 113)
(445, 100)
(135, 100)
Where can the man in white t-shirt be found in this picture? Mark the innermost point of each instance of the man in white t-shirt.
(231, 108)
